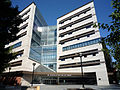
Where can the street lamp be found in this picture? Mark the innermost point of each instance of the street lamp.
(80, 54)
(9, 68)
(33, 74)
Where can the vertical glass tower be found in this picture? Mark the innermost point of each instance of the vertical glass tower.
(49, 48)
(43, 45)
(35, 48)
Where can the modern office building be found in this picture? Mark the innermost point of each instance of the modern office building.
(53, 52)
(75, 36)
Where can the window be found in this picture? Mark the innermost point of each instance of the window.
(50, 66)
(89, 52)
(85, 56)
(17, 45)
(90, 42)
(17, 63)
(70, 33)
(22, 34)
(74, 15)
(24, 19)
(77, 37)
(75, 22)
(88, 35)
(75, 29)
(85, 44)
(24, 26)
(78, 64)
(19, 53)
(94, 54)
(94, 41)
(64, 49)
(70, 25)
(78, 45)
(69, 47)
(73, 46)
(62, 59)
(25, 12)
(72, 57)
(88, 26)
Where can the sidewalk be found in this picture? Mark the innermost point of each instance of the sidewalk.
(65, 87)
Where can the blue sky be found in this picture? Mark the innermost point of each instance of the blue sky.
(52, 9)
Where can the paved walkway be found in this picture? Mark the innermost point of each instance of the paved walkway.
(65, 87)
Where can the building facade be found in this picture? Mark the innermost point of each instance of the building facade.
(53, 52)
(76, 35)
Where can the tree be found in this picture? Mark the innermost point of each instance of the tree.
(9, 22)
(113, 39)
(108, 58)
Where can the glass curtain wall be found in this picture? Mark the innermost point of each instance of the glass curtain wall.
(48, 57)
(49, 48)
(36, 48)
(43, 44)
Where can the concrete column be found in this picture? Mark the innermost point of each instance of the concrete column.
(102, 76)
